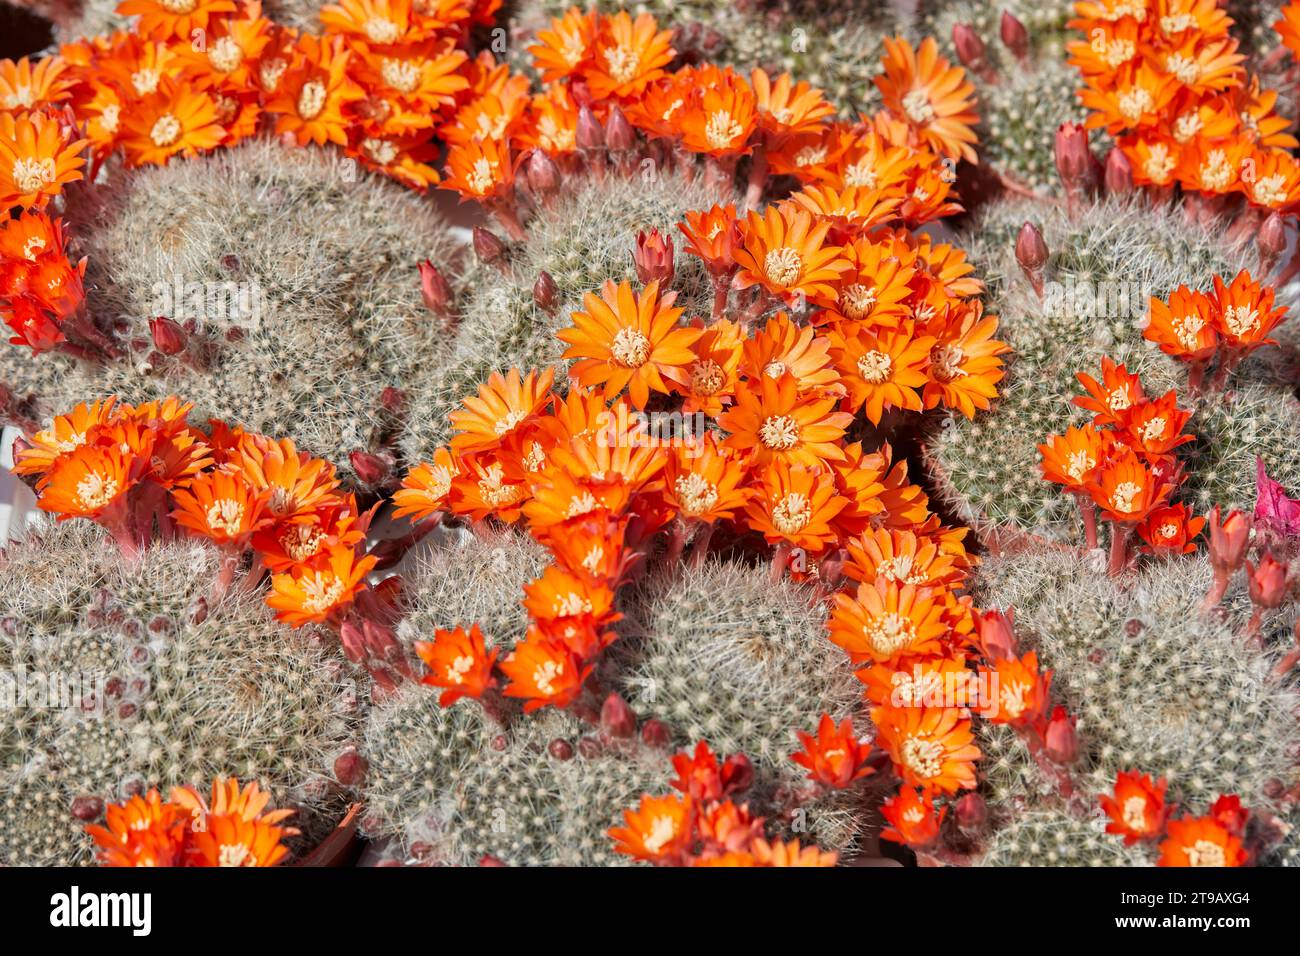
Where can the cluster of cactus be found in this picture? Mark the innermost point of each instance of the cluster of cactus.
(134, 675)
(507, 314)
(1157, 682)
(1103, 266)
(280, 325)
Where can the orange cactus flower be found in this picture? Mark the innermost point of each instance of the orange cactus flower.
(228, 799)
(1288, 28)
(560, 593)
(504, 405)
(901, 556)
(885, 620)
(1153, 156)
(1184, 327)
(853, 209)
(1139, 98)
(703, 482)
(488, 484)
(1171, 530)
(782, 347)
(144, 831)
(784, 251)
(37, 156)
(1137, 809)
(165, 19)
(788, 108)
(1272, 180)
(912, 818)
(65, 434)
(230, 56)
(1020, 691)
(876, 491)
(481, 170)
(774, 422)
(380, 23)
(1245, 312)
(627, 56)
(795, 505)
(313, 94)
(932, 95)
(222, 507)
(24, 86)
(659, 830)
(1204, 67)
(1117, 391)
(881, 368)
(309, 541)
(1072, 459)
(713, 235)
(459, 662)
(543, 672)
(416, 80)
(720, 121)
(566, 46)
(425, 488)
(312, 594)
(231, 840)
(1126, 490)
(835, 757)
(297, 484)
(624, 339)
(712, 377)
(89, 482)
(964, 366)
(931, 747)
(875, 290)
(920, 681)
(551, 122)
(1154, 428)
(1201, 841)
(790, 853)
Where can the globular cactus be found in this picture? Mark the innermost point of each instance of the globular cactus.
(1104, 267)
(295, 329)
(163, 686)
(451, 787)
(587, 238)
(1055, 837)
(1158, 684)
(470, 579)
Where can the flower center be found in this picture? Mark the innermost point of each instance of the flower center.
(945, 362)
(1205, 853)
(179, 6)
(271, 72)
(707, 377)
(1079, 463)
(225, 515)
(320, 592)
(483, 176)
(923, 757)
(630, 348)
(874, 366)
(225, 55)
(721, 130)
(1124, 495)
(311, 100)
(382, 30)
(1269, 190)
(917, 106)
(145, 81)
(779, 432)
(401, 75)
(889, 633)
(661, 831)
(1136, 102)
(233, 854)
(1154, 429)
(380, 151)
(622, 63)
(792, 513)
(1240, 319)
(494, 491)
(857, 300)
(20, 98)
(33, 175)
(544, 676)
(166, 130)
(95, 490)
(301, 541)
(1135, 814)
(783, 266)
(695, 493)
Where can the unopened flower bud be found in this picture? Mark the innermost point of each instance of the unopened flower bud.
(1119, 173)
(545, 294)
(87, 809)
(619, 134)
(1075, 163)
(560, 749)
(654, 733)
(392, 398)
(350, 767)
(969, 47)
(1267, 581)
(1229, 539)
(434, 288)
(972, 813)
(617, 718)
(1060, 742)
(1271, 240)
(589, 747)
(653, 257)
(488, 246)
(543, 174)
(168, 337)
(996, 634)
(1014, 35)
(1031, 253)
(370, 469)
(589, 134)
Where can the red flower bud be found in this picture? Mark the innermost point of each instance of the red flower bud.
(1014, 35)
(371, 469)
(1075, 163)
(434, 288)
(969, 46)
(619, 134)
(1119, 172)
(560, 749)
(1229, 539)
(654, 733)
(1060, 742)
(350, 767)
(1267, 581)
(653, 257)
(487, 246)
(1271, 238)
(737, 773)
(87, 809)
(168, 337)
(545, 294)
(392, 398)
(589, 134)
(972, 813)
(543, 174)
(996, 634)
(1031, 253)
(617, 718)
